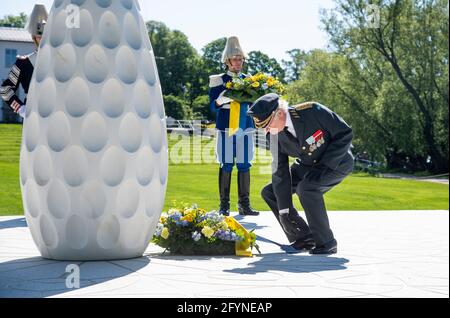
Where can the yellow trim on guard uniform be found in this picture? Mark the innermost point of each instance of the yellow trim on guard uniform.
(235, 114)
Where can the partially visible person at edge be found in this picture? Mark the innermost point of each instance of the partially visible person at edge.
(22, 70)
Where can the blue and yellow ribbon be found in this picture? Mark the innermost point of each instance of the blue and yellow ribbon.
(238, 117)
(243, 248)
(235, 115)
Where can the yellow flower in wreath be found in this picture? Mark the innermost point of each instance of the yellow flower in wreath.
(208, 232)
(189, 217)
(229, 85)
(165, 233)
(255, 84)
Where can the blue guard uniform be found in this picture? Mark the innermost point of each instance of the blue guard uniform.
(231, 150)
(235, 133)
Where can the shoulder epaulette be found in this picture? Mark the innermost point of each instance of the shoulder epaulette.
(304, 106)
(31, 54)
(24, 57)
(215, 80)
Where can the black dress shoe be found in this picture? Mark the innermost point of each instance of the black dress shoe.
(306, 243)
(326, 249)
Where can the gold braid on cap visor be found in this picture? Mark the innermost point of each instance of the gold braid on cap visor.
(259, 124)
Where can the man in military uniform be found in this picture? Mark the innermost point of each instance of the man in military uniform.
(235, 131)
(321, 141)
(22, 71)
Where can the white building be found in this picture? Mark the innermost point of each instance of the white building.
(13, 42)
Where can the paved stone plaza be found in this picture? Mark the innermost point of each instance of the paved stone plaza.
(381, 254)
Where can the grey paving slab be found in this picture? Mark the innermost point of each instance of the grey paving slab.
(381, 254)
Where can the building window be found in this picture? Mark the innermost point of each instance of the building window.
(10, 57)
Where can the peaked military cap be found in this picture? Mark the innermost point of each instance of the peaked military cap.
(263, 110)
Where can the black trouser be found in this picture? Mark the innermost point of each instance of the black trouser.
(310, 187)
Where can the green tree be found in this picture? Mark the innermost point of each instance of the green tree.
(14, 21)
(326, 79)
(200, 108)
(294, 65)
(178, 62)
(260, 62)
(402, 63)
(176, 107)
(376, 111)
(212, 56)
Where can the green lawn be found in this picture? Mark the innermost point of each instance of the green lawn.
(197, 183)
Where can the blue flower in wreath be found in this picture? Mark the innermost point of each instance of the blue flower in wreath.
(176, 216)
(213, 216)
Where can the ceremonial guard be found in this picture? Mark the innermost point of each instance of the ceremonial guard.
(235, 131)
(320, 141)
(22, 71)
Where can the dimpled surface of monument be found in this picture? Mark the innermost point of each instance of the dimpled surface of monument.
(94, 157)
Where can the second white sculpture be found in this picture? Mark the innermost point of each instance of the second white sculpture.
(94, 158)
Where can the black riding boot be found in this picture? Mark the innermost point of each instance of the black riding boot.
(224, 190)
(244, 194)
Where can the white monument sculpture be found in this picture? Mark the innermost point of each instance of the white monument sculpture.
(94, 158)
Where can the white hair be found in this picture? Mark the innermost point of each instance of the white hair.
(283, 104)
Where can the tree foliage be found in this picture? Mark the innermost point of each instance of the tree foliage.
(178, 62)
(390, 81)
(176, 107)
(14, 21)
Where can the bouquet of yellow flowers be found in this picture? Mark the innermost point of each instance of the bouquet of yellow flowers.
(194, 231)
(251, 88)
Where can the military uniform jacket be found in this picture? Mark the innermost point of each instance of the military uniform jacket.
(323, 141)
(20, 74)
(216, 87)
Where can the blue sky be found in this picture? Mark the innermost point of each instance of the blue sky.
(271, 26)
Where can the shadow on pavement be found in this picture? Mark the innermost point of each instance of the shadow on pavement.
(289, 263)
(37, 277)
(13, 223)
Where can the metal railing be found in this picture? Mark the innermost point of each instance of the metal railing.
(190, 127)
(367, 164)
(182, 126)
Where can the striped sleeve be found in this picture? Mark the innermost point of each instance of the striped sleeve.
(10, 86)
